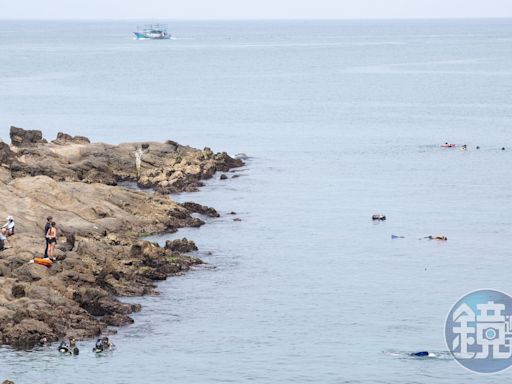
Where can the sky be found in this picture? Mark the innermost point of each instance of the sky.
(252, 9)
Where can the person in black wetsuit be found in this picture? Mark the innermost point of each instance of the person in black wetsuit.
(46, 228)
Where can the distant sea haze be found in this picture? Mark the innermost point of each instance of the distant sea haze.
(341, 120)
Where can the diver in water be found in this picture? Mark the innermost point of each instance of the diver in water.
(102, 345)
(70, 349)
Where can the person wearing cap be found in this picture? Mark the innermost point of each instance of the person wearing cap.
(46, 228)
(8, 227)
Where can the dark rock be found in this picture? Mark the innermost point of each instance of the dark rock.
(17, 291)
(223, 177)
(31, 272)
(7, 156)
(117, 320)
(232, 213)
(21, 137)
(69, 244)
(196, 223)
(235, 176)
(237, 219)
(154, 274)
(27, 333)
(64, 138)
(201, 209)
(181, 245)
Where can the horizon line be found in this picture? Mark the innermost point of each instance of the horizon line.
(263, 19)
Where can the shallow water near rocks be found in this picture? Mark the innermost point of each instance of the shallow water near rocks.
(341, 120)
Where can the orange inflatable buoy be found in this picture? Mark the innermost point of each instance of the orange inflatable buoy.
(45, 262)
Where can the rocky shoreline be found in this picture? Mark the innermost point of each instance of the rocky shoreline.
(100, 254)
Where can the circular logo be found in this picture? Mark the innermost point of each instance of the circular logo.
(478, 331)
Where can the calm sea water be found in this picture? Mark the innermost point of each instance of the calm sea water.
(341, 120)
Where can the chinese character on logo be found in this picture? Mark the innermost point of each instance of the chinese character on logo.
(478, 331)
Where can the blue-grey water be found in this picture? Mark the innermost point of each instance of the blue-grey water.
(341, 120)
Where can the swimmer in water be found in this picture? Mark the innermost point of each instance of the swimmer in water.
(438, 237)
(423, 354)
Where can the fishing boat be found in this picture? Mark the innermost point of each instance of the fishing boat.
(153, 32)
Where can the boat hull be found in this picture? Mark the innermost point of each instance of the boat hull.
(146, 36)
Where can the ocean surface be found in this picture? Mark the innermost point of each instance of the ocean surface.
(341, 120)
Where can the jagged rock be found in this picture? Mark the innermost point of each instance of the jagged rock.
(181, 245)
(202, 209)
(117, 320)
(31, 272)
(63, 138)
(99, 252)
(21, 137)
(7, 156)
(17, 291)
(27, 332)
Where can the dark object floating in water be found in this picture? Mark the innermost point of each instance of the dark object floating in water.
(446, 145)
(423, 354)
(397, 237)
(379, 217)
(237, 219)
(232, 213)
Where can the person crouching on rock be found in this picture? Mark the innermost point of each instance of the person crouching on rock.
(47, 226)
(51, 235)
(8, 227)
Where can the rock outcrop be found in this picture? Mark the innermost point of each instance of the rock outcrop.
(100, 254)
(21, 137)
(201, 209)
(181, 245)
(165, 167)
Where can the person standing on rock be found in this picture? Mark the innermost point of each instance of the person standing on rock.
(47, 226)
(138, 160)
(51, 235)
